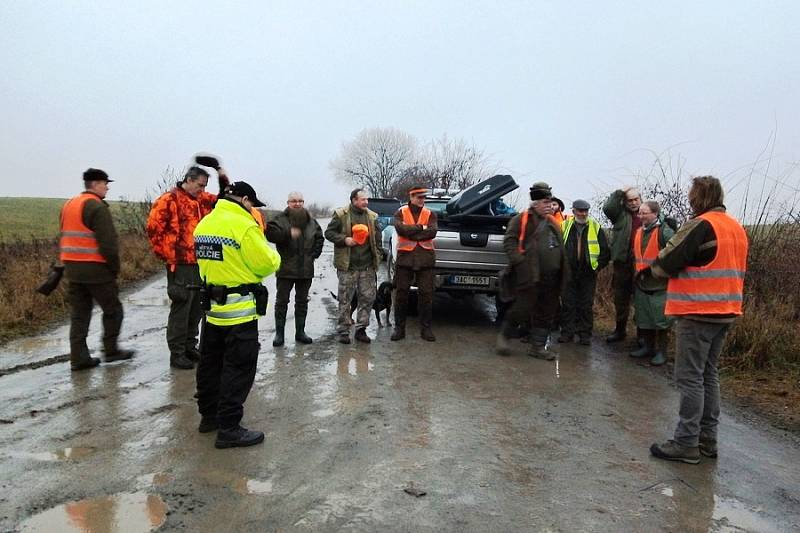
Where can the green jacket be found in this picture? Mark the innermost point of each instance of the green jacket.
(339, 228)
(97, 217)
(544, 260)
(620, 217)
(297, 255)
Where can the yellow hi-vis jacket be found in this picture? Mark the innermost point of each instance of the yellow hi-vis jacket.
(592, 242)
(231, 250)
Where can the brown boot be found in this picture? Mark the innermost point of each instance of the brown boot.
(427, 335)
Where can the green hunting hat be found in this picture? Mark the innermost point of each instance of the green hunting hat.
(541, 190)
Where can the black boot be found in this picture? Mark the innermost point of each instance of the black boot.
(619, 333)
(237, 437)
(660, 356)
(300, 329)
(648, 342)
(279, 327)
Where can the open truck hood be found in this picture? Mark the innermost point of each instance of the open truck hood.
(476, 199)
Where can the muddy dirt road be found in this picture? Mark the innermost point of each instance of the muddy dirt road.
(497, 444)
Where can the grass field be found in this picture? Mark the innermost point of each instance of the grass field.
(29, 244)
(26, 219)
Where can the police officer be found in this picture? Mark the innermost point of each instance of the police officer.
(416, 227)
(234, 258)
(90, 253)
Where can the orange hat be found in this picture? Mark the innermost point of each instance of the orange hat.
(360, 233)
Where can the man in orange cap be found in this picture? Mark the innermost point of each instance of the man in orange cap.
(356, 255)
(416, 227)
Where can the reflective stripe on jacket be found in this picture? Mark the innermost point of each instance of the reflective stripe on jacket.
(231, 250)
(407, 245)
(78, 242)
(645, 258)
(592, 239)
(718, 287)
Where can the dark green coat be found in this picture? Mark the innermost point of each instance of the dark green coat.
(620, 217)
(297, 255)
(544, 260)
(97, 217)
(649, 306)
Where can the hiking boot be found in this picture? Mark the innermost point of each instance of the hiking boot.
(83, 364)
(540, 351)
(708, 446)
(344, 338)
(618, 335)
(672, 451)
(238, 437)
(278, 340)
(502, 347)
(119, 355)
(193, 354)
(361, 336)
(181, 361)
(428, 335)
(207, 425)
(398, 334)
(565, 338)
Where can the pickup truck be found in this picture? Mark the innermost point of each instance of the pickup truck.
(469, 243)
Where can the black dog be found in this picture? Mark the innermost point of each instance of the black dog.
(383, 300)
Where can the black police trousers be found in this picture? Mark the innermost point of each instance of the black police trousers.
(226, 371)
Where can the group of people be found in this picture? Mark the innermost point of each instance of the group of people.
(216, 255)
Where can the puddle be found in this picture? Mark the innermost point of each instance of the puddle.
(67, 454)
(148, 302)
(157, 479)
(130, 512)
(322, 413)
(667, 491)
(558, 373)
(252, 486)
(349, 365)
(158, 441)
(732, 515)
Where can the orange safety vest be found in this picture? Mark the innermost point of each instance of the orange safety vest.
(407, 245)
(718, 287)
(78, 242)
(523, 225)
(646, 259)
(259, 218)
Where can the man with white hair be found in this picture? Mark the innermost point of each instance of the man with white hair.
(298, 238)
(622, 209)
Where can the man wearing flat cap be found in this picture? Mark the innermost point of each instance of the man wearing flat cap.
(587, 252)
(416, 228)
(90, 253)
(535, 247)
(234, 258)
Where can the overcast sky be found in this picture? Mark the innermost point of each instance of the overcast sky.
(573, 93)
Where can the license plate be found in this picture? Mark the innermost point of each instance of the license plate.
(469, 280)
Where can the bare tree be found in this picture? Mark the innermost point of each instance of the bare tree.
(376, 159)
(452, 164)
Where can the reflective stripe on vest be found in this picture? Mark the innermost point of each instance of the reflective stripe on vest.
(645, 259)
(407, 245)
(236, 307)
(717, 288)
(523, 226)
(592, 239)
(78, 243)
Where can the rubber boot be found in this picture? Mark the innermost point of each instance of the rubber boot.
(648, 343)
(660, 356)
(300, 329)
(619, 333)
(280, 325)
(538, 346)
